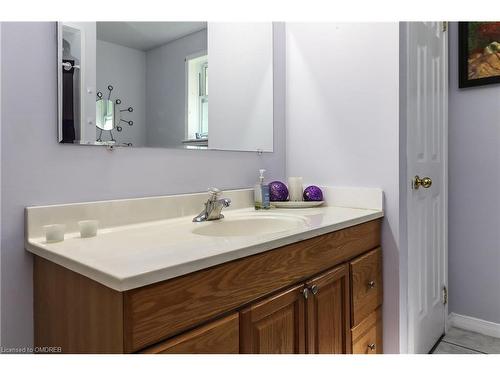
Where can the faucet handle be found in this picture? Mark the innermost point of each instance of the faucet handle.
(214, 193)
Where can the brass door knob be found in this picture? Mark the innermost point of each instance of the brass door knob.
(425, 182)
(372, 347)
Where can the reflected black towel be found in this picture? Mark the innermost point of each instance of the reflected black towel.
(68, 121)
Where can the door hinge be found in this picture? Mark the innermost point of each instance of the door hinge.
(445, 26)
(445, 295)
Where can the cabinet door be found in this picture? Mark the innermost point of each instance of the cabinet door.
(218, 337)
(275, 325)
(328, 316)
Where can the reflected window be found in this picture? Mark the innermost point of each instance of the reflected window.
(197, 101)
(204, 99)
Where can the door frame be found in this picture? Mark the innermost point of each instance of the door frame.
(405, 189)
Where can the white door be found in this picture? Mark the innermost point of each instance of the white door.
(427, 151)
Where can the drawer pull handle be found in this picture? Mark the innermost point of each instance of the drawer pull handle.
(314, 289)
(371, 284)
(371, 347)
(305, 292)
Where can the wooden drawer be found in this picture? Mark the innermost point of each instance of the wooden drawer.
(367, 336)
(366, 283)
(219, 337)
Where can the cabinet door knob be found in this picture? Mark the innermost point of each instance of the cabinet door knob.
(305, 292)
(371, 347)
(314, 289)
(371, 284)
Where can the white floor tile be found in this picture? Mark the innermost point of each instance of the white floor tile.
(473, 340)
(446, 348)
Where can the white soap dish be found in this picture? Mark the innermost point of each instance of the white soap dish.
(297, 204)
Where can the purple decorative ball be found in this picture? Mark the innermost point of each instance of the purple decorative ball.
(278, 191)
(313, 193)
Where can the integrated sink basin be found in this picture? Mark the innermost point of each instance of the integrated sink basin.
(250, 225)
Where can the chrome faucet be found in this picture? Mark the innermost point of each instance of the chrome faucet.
(213, 207)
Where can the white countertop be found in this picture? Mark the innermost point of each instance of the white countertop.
(130, 256)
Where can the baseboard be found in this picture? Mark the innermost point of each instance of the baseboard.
(474, 324)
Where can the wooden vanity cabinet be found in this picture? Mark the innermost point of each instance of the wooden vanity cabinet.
(312, 296)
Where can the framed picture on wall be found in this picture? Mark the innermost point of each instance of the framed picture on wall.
(479, 53)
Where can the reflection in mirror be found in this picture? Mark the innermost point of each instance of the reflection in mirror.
(104, 114)
(145, 84)
(197, 99)
(109, 119)
(148, 82)
(69, 77)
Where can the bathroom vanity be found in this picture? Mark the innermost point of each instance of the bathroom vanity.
(311, 284)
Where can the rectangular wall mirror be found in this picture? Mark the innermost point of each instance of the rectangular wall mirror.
(146, 84)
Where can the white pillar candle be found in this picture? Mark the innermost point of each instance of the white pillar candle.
(295, 189)
(88, 228)
(54, 232)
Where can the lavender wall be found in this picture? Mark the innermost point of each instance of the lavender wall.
(36, 170)
(343, 124)
(474, 186)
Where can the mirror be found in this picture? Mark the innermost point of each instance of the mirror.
(145, 84)
(105, 114)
